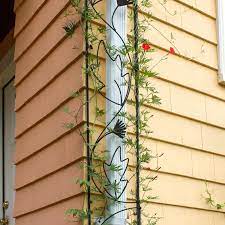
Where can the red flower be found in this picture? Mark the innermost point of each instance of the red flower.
(146, 46)
(172, 51)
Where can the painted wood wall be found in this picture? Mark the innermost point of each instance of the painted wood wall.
(47, 156)
(189, 126)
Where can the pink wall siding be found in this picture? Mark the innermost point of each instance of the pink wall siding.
(47, 155)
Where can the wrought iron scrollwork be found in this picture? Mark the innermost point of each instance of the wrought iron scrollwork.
(115, 126)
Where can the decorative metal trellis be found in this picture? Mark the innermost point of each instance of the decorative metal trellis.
(116, 126)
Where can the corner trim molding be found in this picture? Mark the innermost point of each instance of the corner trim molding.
(221, 40)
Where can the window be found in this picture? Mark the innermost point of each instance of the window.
(221, 39)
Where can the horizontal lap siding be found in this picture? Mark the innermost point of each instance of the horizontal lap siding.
(189, 46)
(193, 77)
(207, 7)
(181, 17)
(48, 156)
(189, 126)
(49, 98)
(50, 190)
(188, 216)
(54, 213)
(25, 12)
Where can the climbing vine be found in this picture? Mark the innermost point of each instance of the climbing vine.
(210, 200)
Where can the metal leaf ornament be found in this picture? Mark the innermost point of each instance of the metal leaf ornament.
(123, 2)
(69, 28)
(119, 170)
(119, 129)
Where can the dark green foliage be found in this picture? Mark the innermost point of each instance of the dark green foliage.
(69, 28)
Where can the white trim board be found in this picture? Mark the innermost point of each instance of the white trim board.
(113, 73)
(221, 39)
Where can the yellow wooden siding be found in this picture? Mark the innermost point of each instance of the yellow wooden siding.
(207, 7)
(181, 19)
(189, 125)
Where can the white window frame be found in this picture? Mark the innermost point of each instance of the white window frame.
(221, 40)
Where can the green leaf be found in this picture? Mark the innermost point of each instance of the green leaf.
(83, 182)
(81, 214)
(99, 112)
(69, 126)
